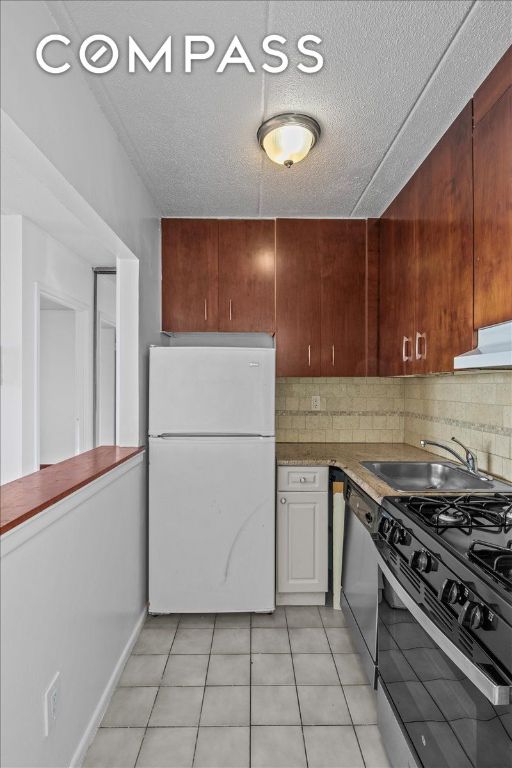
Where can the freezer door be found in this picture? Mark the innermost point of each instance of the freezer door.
(211, 390)
(211, 524)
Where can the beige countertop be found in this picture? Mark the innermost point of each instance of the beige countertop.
(348, 457)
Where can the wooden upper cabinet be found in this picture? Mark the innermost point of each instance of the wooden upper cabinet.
(492, 163)
(247, 275)
(493, 87)
(444, 248)
(341, 245)
(397, 284)
(189, 275)
(426, 262)
(298, 297)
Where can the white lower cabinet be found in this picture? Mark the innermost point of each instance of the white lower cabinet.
(302, 531)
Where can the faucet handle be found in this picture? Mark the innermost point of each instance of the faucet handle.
(470, 456)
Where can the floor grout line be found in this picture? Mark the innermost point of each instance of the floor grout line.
(204, 689)
(175, 629)
(343, 691)
(250, 690)
(296, 689)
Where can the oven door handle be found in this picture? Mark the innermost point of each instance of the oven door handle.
(496, 694)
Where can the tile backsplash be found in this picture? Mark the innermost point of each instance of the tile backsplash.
(352, 410)
(475, 407)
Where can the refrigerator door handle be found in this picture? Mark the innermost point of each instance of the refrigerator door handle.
(170, 435)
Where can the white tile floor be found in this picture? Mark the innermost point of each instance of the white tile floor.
(270, 691)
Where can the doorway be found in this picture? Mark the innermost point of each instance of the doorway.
(58, 395)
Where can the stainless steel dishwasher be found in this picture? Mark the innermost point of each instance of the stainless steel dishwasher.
(360, 594)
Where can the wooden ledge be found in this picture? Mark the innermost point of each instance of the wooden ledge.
(23, 498)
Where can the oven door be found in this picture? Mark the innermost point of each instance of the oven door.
(445, 718)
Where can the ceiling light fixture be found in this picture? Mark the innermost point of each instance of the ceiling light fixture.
(287, 139)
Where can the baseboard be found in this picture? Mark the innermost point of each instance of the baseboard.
(101, 707)
(300, 598)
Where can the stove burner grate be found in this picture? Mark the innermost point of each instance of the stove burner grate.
(494, 559)
(467, 513)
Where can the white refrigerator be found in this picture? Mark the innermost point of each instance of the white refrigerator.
(212, 474)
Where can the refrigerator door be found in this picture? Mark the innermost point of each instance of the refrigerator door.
(211, 524)
(211, 390)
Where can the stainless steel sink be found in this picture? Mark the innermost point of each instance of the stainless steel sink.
(422, 476)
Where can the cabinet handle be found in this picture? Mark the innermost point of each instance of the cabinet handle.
(206, 309)
(230, 309)
(309, 355)
(302, 480)
(332, 356)
(283, 500)
(405, 341)
(421, 355)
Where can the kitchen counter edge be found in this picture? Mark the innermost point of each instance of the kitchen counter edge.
(348, 457)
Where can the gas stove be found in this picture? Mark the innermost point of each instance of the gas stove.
(445, 626)
(477, 528)
(453, 554)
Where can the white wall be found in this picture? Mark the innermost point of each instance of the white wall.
(105, 359)
(11, 414)
(61, 116)
(57, 385)
(72, 595)
(81, 628)
(106, 393)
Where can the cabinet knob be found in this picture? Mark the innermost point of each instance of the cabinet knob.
(302, 480)
(283, 500)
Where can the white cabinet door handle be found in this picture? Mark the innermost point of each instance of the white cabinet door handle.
(283, 500)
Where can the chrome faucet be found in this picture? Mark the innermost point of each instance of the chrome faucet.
(470, 462)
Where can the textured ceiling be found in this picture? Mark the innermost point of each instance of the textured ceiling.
(395, 76)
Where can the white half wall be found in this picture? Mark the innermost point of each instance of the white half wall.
(73, 592)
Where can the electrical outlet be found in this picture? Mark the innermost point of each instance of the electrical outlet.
(315, 402)
(51, 703)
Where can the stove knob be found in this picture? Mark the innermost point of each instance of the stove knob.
(385, 526)
(472, 615)
(452, 592)
(397, 535)
(421, 561)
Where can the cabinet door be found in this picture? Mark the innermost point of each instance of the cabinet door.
(297, 298)
(397, 286)
(444, 250)
(301, 542)
(189, 275)
(492, 158)
(247, 275)
(342, 248)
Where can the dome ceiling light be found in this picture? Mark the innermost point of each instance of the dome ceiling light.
(287, 139)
